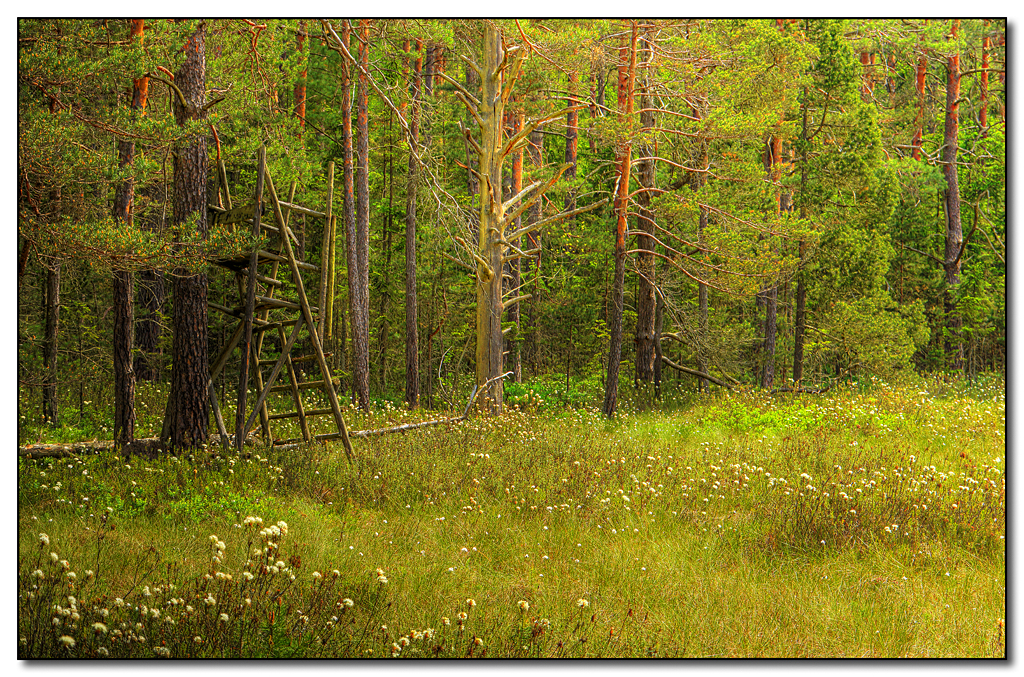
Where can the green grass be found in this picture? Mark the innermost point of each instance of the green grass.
(866, 522)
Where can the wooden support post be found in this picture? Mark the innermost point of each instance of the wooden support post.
(307, 315)
(331, 275)
(224, 182)
(250, 301)
(329, 323)
(325, 251)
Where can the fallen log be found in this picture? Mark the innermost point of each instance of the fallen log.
(694, 372)
(146, 446)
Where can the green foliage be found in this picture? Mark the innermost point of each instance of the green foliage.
(870, 219)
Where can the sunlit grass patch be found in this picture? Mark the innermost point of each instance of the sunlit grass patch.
(845, 537)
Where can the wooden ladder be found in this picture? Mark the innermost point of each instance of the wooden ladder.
(273, 298)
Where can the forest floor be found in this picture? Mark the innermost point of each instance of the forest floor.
(865, 522)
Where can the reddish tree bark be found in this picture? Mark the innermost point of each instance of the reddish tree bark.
(623, 156)
(348, 181)
(919, 83)
(300, 85)
(361, 289)
(512, 347)
(645, 320)
(533, 239)
(954, 228)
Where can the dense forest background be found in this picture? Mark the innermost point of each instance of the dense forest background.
(708, 203)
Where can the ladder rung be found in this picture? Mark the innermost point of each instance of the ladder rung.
(270, 256)
(266, 301)
(306, 385)
(296, 360)
(269, 280)
(294, 414)
(272, 325)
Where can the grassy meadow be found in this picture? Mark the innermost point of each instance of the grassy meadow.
(866, 522)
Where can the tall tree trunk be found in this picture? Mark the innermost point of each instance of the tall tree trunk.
(489, 344)
(623, 154)
(514, 269)
(533, 239)
(361, 291)
(300, 84)
(428, 70)
(187, 418)
(51, 307)
(123, 281)
(702, 306)
(412, 359)
(645, 334)
(472, 183)
(919, 84)
(954, 229)
(348, 179)
(51, 311)
(986, 47)
(800, 325)
(767, 298)
(770, 296)
(572, 120)
(659, 318)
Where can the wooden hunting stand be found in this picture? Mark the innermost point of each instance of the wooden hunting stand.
(273, 297)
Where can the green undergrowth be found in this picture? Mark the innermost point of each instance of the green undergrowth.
(869, 521)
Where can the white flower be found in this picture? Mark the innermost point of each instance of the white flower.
(99, 628)
(582, 603)
(162, 651)
(210, 600)
(103, 651)
(348, 603)
(316, 575)
(524, 605)
(44, 539)
(223, 618)
(67, 641)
